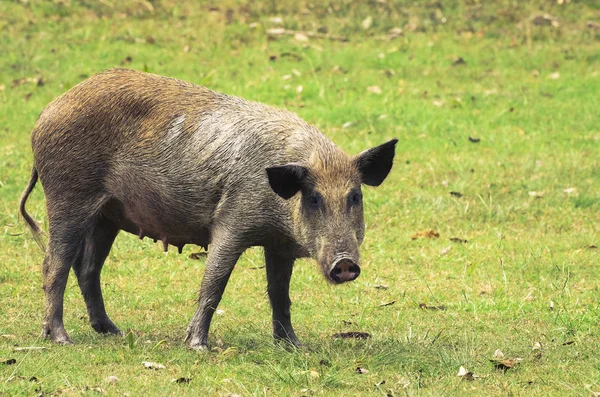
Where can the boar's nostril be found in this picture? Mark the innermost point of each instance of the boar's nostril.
(344, 270)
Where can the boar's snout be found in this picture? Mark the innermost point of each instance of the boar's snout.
(344, 270)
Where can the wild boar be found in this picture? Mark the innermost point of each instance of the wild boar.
(176, 162)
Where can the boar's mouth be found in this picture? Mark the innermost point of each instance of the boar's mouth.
(342, 270)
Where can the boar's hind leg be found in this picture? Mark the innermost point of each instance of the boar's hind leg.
(279, 272)
(98, 242)
(222, 256)
(64, 249)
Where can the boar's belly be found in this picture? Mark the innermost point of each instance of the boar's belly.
(160, 225)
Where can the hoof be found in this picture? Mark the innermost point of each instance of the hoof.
(199, 347)
(60, 337)
(290, 342)
(194, 343)
(107, 327)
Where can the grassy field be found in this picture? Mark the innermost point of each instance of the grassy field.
(497, 111)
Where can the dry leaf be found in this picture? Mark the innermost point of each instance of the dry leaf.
(197, 255)
(498, 354)
(465, 375)
(545, 20)
(536, 194)
(362, 371)
(458, 61)
(111, 379)
(301, 37)
(351, 335)
(537, 346)
(367, 22)
(437, 103)
(374, 89)
(554, 76)
(427, 233)
(387, 304)
(152, 365)
(28, 348)
(570, 190)
(426, 307)
(444, 251)
(381, 286)
(505, 365)
(181, 380)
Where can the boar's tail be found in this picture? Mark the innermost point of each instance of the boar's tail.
(37, 232)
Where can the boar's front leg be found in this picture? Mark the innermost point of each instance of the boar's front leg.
(222, 257)
(279, 272)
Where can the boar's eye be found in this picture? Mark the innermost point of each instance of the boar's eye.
(314, 201)
(354, 198)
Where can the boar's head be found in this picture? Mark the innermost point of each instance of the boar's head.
(328, 213)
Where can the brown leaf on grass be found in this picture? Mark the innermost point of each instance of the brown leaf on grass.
(28, 348)
(387, 304)
(569, 342)
(281, 31)
(459, 240)
(351, 335)
(502, 363)
(374, 89)
(153, 365)
(465, 375)
(426, 307)
(362, 371)
(545, 20)
(381, 286)
(536, 195)
(474, 140)
(197, 255)
(367, 22)
(458, 61)
(181, 380)
(111, 379)
(295, 57)
(427, 233)
(8, 361)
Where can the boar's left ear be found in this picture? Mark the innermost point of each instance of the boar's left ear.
(375, 164)
(287, 180)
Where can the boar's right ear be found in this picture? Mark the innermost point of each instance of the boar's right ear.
(375, 164)
(286, 180)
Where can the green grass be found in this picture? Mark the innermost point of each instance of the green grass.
(527, 274)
